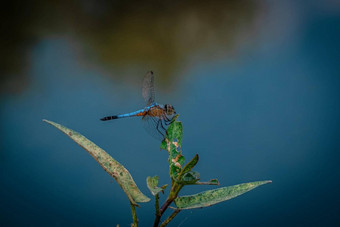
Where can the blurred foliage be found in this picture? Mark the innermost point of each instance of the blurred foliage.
(121, 35)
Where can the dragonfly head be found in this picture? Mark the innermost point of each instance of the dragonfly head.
(170, 110)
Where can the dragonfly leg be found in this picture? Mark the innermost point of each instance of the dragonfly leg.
(167, 121)
(166, 132)
(157, 127)
(161, 123)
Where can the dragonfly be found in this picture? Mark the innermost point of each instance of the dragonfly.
(156, 117)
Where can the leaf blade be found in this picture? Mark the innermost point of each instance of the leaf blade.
(189, 166)
(110, 165)
(152, 183)
(210, 182)
(172, 143)
(211, 197)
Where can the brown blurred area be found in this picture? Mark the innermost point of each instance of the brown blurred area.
(119, 35)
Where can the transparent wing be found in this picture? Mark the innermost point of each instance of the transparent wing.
(156, 127)
(148, 88)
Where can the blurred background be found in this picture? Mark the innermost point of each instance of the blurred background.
(256, 84)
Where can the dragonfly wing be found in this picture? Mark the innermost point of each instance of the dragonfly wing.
(148, 88)
(155, 127)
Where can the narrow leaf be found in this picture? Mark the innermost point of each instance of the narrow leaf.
(211, 182)
(189, 178)
(110, 165)
(172, 143)
(189, 166)
(211, 197)
(152, 183)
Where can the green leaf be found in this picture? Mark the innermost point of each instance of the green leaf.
(214, 181)
(175, 132)
(211, 197)
(211, 182)
(189, 166)
(110, 165)
(172, 143)
(189, 178)
(152, 183)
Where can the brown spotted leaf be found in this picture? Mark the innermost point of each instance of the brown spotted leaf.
(110, 165)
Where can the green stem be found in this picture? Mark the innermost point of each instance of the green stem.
(170, 218)
(175, 188)
(172, 196)
(134, 215)
(158, 213)
(157, 204)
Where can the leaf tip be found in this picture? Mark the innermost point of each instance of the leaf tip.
(47, 121)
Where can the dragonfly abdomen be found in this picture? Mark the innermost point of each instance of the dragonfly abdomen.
(109, 118)
(133, 114)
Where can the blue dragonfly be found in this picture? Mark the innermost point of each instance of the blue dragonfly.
(156, 117)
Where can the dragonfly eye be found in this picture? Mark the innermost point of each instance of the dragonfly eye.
(169, 109)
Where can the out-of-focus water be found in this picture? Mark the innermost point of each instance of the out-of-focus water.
(256, 85)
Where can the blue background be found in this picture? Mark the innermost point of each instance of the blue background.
(263, 105)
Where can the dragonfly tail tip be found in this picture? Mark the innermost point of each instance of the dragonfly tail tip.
(108, 118)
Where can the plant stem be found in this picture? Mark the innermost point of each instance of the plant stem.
(170, 218)
(157, 219)
(165, 205)
(134, 215)
(158, 213)
(175, 188)
(157, 204)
